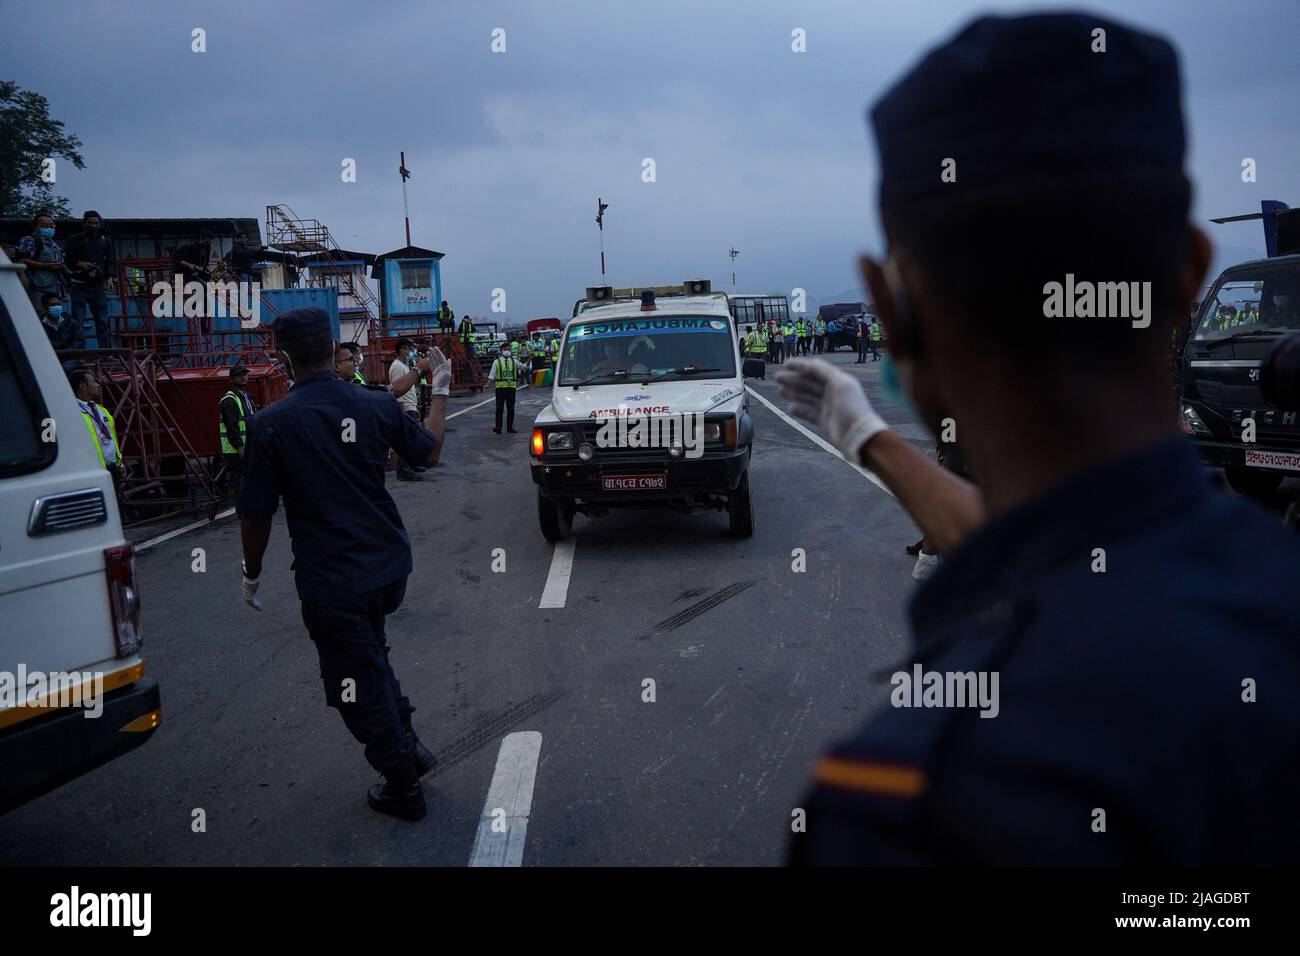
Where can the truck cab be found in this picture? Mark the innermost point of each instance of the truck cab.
(73, 691)
(1248, 308)
(648, 409)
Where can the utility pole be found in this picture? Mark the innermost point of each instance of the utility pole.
(406, 211)
(733, 252)
(600, 224)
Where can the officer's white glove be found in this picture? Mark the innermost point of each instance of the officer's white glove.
(832, 398)
(439, 372)
(249, 589)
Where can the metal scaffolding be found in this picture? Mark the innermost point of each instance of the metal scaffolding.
(286, 231)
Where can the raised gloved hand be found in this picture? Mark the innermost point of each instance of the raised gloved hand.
(249, 590)
(439, 372)
(832, 398)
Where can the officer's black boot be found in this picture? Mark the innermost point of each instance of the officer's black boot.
(398, 796)
(424, 759)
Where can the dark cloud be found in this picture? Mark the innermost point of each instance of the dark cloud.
(755, 146)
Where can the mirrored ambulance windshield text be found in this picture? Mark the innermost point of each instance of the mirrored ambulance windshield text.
(648, 347)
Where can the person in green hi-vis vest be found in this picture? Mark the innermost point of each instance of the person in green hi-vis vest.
(234, 411)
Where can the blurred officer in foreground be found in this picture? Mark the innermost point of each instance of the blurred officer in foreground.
(1142, 627)
(322, 448)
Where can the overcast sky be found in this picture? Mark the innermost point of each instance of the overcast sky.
(755, 146)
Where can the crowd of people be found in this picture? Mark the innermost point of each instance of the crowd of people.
(775, 340)
(69, 283)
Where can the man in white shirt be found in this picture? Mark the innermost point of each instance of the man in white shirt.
(403, 376)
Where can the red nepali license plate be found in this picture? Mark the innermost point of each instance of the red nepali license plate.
(635, 482)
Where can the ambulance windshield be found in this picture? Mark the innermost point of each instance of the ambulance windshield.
(648, 346)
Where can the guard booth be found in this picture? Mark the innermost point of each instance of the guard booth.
(410, 287)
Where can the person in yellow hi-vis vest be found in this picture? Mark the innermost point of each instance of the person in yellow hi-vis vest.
(99, 424)
(234, 412)
(504, 374)
(466, 335)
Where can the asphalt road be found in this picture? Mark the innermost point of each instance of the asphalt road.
(755, 667)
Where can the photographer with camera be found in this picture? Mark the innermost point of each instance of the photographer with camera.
(403, 377)
(92, 264)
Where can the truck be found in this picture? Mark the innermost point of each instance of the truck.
(1247, 310)
(841, 320)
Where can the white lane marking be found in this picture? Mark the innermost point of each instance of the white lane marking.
(145, 545)
(504, 824)
(557, 580)
(486, 401)
(817, 439)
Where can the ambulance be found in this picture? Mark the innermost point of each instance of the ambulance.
(73, 690)
(648, 409)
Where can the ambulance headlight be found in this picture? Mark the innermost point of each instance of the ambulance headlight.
(585, 451)
(713, 431)
(559, 441)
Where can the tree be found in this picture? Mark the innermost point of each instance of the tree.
(28, 137)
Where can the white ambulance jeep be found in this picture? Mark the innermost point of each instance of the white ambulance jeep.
(648, 410)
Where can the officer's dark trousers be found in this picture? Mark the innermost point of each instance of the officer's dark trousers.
(862, 350)
(506, 400)
(359, 681)
(234, 476)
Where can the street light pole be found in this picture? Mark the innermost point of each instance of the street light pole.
(406, 211)
(733, 252)
(600, 224)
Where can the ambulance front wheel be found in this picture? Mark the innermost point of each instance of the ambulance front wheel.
(555, 516)
(740, 510)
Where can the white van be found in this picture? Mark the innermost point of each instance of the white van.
(648, 409)
(73, 694)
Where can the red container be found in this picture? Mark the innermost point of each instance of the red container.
(191, 395)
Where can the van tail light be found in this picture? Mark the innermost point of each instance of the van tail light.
(123, 599)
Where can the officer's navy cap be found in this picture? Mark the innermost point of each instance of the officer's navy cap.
(1023, 102)
(300, 323)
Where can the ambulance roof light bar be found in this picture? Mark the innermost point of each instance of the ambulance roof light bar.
(604, 295)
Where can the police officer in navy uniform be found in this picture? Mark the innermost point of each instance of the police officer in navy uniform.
(1142, 627)
(322, 449)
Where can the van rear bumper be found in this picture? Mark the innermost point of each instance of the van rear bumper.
(41, 754)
